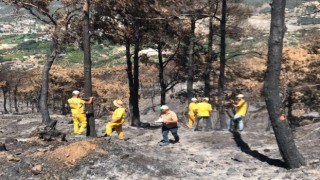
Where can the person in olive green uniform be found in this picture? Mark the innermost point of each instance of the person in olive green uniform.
(117, 119)
(77, 111)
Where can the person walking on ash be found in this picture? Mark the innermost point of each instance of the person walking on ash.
(77, 111)
(169, 123)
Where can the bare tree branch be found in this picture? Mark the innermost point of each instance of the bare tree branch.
(38, 17)
(172, 55)
(29, 7)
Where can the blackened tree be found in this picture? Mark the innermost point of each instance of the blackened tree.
(282, 130)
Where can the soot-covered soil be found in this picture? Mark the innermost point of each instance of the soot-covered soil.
(252, 154)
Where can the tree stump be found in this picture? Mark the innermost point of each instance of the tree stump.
(3, 147)
(49, 132)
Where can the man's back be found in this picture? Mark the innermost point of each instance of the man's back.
(76, 105)
(204, 109)
(119, 113)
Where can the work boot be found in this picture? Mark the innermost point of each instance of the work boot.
(81, 136)
(173, 141)
(164, 143)
(108, 139)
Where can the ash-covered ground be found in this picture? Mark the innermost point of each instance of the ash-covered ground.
(251, 154)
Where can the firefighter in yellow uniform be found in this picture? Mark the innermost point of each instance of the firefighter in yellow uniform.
(192, 112)
(117, 119)
(241, 111)
(77, 110)
(204, 110)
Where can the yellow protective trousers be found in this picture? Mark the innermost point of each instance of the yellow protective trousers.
(117, 127)
(79, 123)
(192, 117)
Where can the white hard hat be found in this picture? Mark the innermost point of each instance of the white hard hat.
(164, 107)
(240, 95)
(75, 92)
(206, 99)
(193, 99)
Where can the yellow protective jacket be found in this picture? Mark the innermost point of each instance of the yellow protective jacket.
(203, 109)
(192, 108)
(76, 105)
(119, 113)
(242, 108)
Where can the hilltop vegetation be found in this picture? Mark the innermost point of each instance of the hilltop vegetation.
(246, 45)
(27, 46)
(152, 53)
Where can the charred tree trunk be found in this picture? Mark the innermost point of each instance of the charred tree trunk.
(27, 105)
(4, 92)
(43, 100)
(207, 88)
(222, 115)
(15, 100)
(87, 69)
(163, 86)
(135, 99)
(32, 105)
(49, 132)
(10, 101)
(64, 110)
(282, 130)
(130, 76)
(190, 59)
(52, 102)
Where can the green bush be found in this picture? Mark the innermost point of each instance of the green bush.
(3, 59)
(308, 20)
(16, 39)
(28, 45)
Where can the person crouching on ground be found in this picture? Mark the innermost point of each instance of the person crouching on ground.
(241, 110)
(117, 119)
(77, 111)
(192, 112)
(169, 123)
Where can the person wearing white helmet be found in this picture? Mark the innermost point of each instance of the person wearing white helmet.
(192, 112)
(77, 111)
(169, 123)
(204, 110)
(241, 110)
